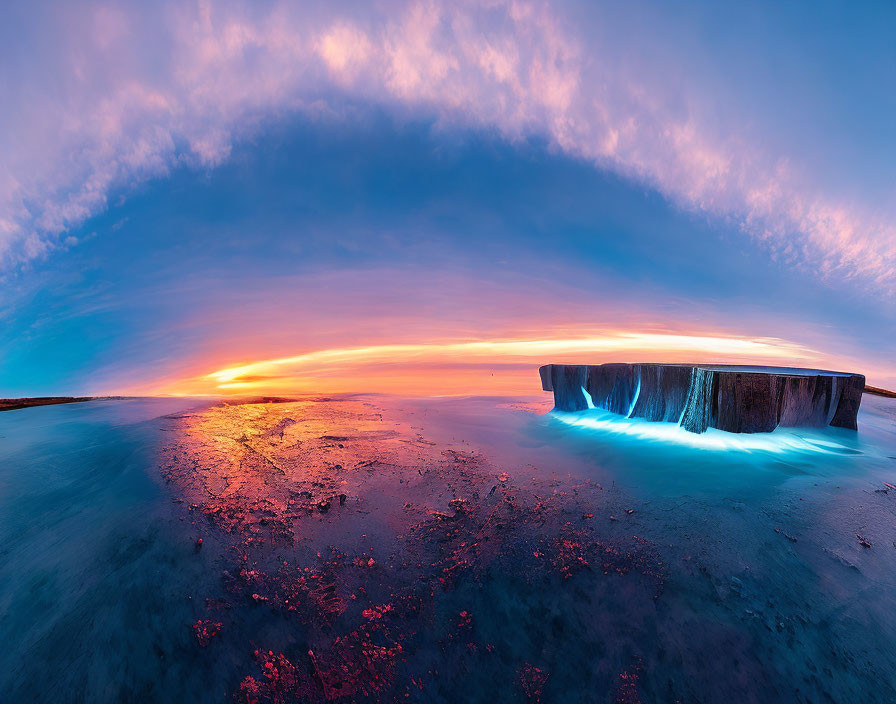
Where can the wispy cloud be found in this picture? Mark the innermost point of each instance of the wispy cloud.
(470, 366)
(142, 93)
(646, 342)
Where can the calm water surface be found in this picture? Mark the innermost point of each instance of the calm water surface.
(768, 593)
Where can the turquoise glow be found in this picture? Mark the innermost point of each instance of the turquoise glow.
(782, 440)
(634, 399)
(588, 398)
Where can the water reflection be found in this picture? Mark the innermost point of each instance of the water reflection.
(377, 548)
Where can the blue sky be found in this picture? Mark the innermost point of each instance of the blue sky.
(196, 187)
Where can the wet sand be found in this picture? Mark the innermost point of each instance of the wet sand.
(361, 537)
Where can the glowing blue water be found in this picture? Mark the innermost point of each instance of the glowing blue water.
(769, 594)
(634, 398)
(782, 440)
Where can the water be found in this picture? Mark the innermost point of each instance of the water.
(753, 585)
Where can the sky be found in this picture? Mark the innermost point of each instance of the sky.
(436, 198)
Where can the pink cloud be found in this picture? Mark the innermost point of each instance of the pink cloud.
(142, 97)
(349, 325)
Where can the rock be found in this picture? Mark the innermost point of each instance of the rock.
(786, 535)
(205, 630)
(737, 399)
(864, 543)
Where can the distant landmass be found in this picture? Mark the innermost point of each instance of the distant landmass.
(877, 391)
(12, 404)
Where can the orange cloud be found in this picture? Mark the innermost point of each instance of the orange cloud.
(498, 366)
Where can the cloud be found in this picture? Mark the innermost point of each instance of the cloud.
(142, 93)
(469, 366)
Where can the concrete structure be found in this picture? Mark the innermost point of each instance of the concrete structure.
(738, 399)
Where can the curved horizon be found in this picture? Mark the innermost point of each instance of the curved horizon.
(186, 188)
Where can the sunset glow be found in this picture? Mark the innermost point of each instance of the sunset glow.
(445, 351)
(489, 366)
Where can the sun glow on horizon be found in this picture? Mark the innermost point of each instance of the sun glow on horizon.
(471, 366)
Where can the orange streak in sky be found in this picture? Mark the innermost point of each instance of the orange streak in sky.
(500, 366)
